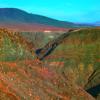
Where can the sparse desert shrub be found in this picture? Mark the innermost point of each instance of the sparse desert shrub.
(90, 68)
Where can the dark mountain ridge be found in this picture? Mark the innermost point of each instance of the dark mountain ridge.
(16, 16)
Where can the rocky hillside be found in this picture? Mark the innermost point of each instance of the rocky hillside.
(24, 77)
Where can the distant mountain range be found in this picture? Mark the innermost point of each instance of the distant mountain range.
(97, 23)
(93, 24)
(20, 20)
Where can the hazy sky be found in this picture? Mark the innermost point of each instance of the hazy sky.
(67, 10)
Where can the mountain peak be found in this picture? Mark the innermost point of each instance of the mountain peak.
(15, 16)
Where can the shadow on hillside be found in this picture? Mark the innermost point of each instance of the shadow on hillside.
(94, 91)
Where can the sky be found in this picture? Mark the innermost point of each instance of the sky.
(78, 11)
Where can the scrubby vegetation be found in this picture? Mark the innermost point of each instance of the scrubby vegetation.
(81, 54)
(71, 69)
